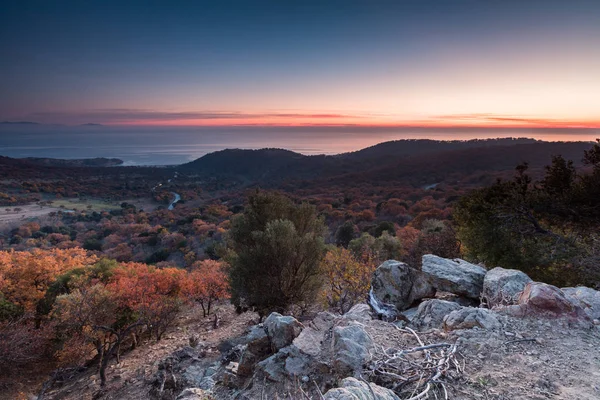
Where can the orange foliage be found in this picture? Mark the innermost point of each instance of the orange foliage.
(207, 283)
(25, 276)
(347, 279)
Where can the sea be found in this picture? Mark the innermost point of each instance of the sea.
(138, 146)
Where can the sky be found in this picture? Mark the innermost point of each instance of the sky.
(492, 63)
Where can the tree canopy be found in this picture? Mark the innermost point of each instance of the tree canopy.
(276, 247)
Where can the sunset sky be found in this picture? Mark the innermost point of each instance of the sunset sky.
(425, 63)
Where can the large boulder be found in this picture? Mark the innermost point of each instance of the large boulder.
(502, 286)
(257, 347)
(586, 298)
(310, 340)
(455, 276)
(471, 317)
(542, 300)
(359, 312)
(353, 389)
(395, 283)
(431, 313)
(351, 346)
(282, 330)
(287, 363)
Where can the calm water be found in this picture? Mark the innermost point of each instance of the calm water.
(154, 146)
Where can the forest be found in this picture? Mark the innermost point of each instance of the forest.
(272, 230)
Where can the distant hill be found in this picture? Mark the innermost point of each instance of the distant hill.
(56, 162)
(83, 162)
(411, 161)
(18, 123)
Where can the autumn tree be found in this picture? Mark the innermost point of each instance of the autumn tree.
(347, 279)
(275, 250)
(25, 276)
(92, 314)
(206, 284)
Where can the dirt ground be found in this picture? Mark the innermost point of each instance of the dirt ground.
(128, 379)
(11, 218)
(528, 359)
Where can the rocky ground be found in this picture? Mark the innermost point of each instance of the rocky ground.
(483, 335)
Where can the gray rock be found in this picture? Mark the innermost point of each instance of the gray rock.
(282, 330)
(193, 394)
(470, 317)
(586, 298)
(410, 313)
(258, 346)
(359, 312)
(273, 367)
(431, 313)
(353, 389)
(455, 276)
(288, 362)
(297, 364)
(398, 284)
(503, 286)
(351, 345)
(310, 340)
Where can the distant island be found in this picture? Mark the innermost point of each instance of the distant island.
(83, 162)
(19, 123)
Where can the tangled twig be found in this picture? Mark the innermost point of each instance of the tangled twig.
(412, 373)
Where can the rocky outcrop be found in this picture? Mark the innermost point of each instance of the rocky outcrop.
(539, 298)
(395, 283)
(310, 340)
(502, 286)
(257, 347)
(353, 389)
(431, 313)
(586, 298)
(287, 362)
(282, 330)
(471, 317)
(351, 345)
(194, 394)
(542, 300)
(455, 276)
(359, 312)
(185, 368)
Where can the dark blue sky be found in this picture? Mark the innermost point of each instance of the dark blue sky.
(296, 63)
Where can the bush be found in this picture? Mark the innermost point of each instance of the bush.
(275, 250)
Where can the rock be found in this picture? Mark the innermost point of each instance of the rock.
(185, 368)
(288, 362)
(353, 389)
(258, 346)
(311, 338)
(398, 284)
(282, 330)
(455, 276)
(273, 367)
(351, 345)
(471, 317)
(193, 394)
(503, 286)
(542, 300)
(431, 313)
(586, 298)
(410, 313)
(359, 312)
